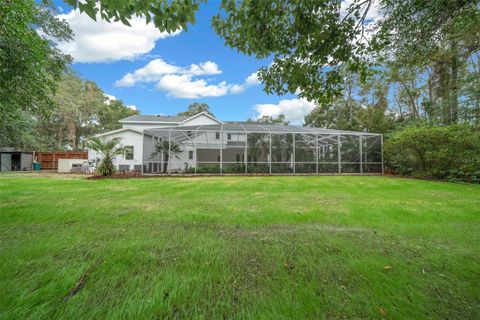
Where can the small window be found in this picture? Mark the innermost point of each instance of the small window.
(218, 158)
(190, 155)
(238, 157)
(217, 135)
(229, 136)
(128, 153)
(189, 133)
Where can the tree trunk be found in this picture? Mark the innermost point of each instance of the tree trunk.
(454, 85)
(59, 138)
(431, 98)
(413, 106)
(165, 163)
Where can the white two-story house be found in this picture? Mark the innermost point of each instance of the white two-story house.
(134, 135)
(204, 144)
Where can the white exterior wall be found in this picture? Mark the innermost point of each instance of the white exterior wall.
(180, 161)
(65, 165)
(199, 120)
(213, 142)
(143, 148)
(128, 138)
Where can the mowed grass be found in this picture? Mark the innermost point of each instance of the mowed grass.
(238, 247)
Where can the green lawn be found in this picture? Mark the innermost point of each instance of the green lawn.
(238, 247)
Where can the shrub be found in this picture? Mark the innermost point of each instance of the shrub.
(441, 152)
(235, 168)
(108, 150)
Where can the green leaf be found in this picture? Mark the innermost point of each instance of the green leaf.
(125, 21)
(88, 9)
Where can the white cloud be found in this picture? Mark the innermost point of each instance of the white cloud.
(157, 68)
(183, 86)
(251, 80)
(293, 109)
(110, 98)
(103, 41)
(204, 68)
(184, 82)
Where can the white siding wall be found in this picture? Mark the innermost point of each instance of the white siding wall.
(200, 120)
(143, 149)
(128, 138)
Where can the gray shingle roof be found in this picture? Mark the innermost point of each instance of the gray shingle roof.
(155, 118)
(256, 127)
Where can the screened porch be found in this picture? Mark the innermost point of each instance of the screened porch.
(254, 148)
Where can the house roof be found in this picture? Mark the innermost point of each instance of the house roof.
(257, 127)
(117, 131)
(154, 118)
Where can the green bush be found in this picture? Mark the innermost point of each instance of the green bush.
(232, 168)
(235, 168)
(204, 169)
(440, 152)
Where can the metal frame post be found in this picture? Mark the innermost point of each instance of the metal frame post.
(381, 146)
(221, 149)
(195, 151)
(360, 147)
(169, 147)
(294, 160)
(246, 152)
(316, 152)
(270, 153)
(143, 149)
(151, 157)
(339, 155)
(162, 156)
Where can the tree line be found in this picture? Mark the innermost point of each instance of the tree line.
(44, 105)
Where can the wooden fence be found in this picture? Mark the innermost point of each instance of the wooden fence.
(49, 160)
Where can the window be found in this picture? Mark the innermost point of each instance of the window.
(189, 133)
(128, 153)
(190, 155)
(229, 136)
(217, 135)
(238, 157)
(218, 159)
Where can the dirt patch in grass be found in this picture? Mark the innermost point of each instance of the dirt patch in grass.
(44, 174)
(78, 286)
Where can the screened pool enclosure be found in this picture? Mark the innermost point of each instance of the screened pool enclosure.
(249, 148)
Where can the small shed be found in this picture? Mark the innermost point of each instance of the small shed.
(15, 161)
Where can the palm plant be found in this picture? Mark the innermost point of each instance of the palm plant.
(163, 147)
(258, 145)
(108, 150)
(282, 144)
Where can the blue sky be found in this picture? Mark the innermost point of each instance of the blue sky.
(163, 74)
